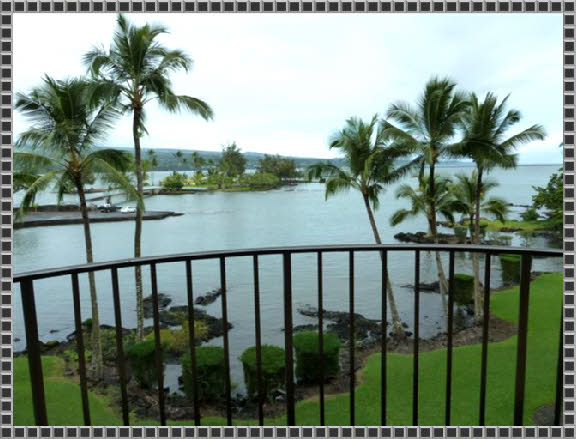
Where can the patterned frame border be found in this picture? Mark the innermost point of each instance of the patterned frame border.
(422, 6)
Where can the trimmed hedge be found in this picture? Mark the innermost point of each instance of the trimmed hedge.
(510, 268)
(210, 373)
(308, 359)
(463, 289)
(142, 362)
(273, 369)
(460, 233)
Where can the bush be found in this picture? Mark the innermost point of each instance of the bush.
(273, 370)
(463, 289)
(530, 214)
(142, 361)
(510, 268)
(460, 233)
(176, 340)
(210, 373)
(174, 182)
(308, 358)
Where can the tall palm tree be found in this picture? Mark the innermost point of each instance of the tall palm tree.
(58, 149)
(198, 161)
(444, 203)
(371, 165)
(428, 130)
(485, 126)
(136, 70)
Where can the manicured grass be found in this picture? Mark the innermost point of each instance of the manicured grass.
(543, 337)
(526, 226)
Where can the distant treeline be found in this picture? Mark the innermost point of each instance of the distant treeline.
(170, 159)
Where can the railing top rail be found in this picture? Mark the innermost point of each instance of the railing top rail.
(181, 257)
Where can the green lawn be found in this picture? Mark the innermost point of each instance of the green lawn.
(63, 396)
(526, 226)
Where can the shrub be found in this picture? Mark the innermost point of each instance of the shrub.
(273, 370)
(510, 268)
(176, 340)
(530, 214)
(174, 182)
(141, 358)
(210, 373)
(460, 233)
(308, 358)
(463, 289)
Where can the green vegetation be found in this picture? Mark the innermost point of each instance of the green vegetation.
(551, 199)
(371, 164)
(307, 347)
(174, 182)
(510, 268)
(518, 225)
(463, 289)
(460, 233)
(175, 341)
(211, 373)
(142, 362)
(134, 71)
(544, 321)
(68, 118)
(273, 370)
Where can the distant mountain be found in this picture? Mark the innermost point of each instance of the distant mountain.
(167, 160)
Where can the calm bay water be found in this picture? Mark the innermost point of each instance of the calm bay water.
(297, 215)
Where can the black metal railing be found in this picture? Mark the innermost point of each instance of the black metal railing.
(26, 281)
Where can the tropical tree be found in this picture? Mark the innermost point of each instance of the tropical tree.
(198, 162)
(445, 204)
(232, 163)
(428, 130)
(465, 189)
(181, 161)
(68, 119)
(136, 70)
(371, 166)
(153, 160)
(485, 126)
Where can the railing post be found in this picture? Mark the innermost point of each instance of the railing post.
(224, 301)
(80, 349)
(192, 342)
(449, 349)
(352, 340)
(120, 346)
(520, 385)
(258, 333)
(384, 341)
(289, 359)
(321, 336)
(485, 328)
(415, 367)
(33, 352)
(158, 345)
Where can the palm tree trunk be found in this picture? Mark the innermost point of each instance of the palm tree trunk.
(397, 328)
(478, 299)
(434, 232)
(97, 361)
(138, 228)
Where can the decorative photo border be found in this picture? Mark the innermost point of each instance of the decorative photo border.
(10, 7)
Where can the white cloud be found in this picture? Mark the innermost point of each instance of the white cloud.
(284, 83)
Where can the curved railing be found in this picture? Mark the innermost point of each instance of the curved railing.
(26, 281)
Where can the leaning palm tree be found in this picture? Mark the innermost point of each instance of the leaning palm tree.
(485, 125)
(444, 203)
(136, 70)
(58, 149)
(371, 165)
(428, 130)
(470, 204)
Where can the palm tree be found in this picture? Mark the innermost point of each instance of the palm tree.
(136, 70)
(153, 161)
(68, 120)
(428, 130)
(445, 203)
(466, 192)
(371, 165)
(197, 161)
(485, 125)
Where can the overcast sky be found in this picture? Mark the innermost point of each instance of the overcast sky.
(283, 83)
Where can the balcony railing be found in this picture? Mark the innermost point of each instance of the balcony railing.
(26, 281)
